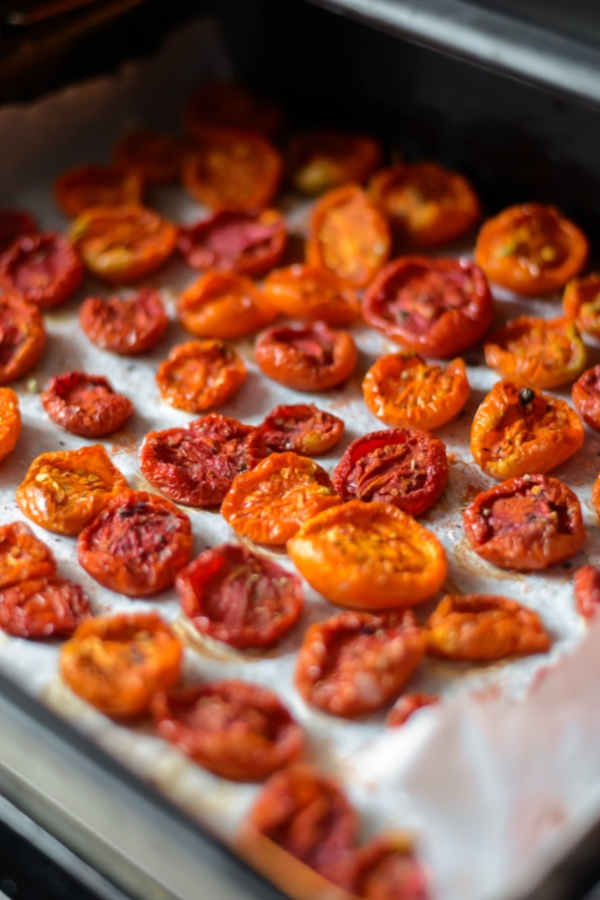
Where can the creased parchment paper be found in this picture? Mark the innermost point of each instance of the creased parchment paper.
(500, 779)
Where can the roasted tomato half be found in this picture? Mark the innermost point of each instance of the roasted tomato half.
(13, 225)
(586, 588)
(306, 357)
(43, 269)
(581, 302)
(87, 186)
(221, 305)
(243, 243)
(86, 405)
(586, 397)
(301, 428)
(22, 337)
(10, 421)
(125, 325)
(306, 292)
(386, 869)
(200, 374)
(225, 105)
(41, 608)
(318, 161)
(23, 557)
(156, 158)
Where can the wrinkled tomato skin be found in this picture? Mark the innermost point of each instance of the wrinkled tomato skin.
(526, 523)
(22, 337)
(125, 325)
(10, 421)
(301, 428)
(581, 302)
(156, 158)
(484, 627)
(306, 292)
(86, 405)
(319, 161)
(200, 374)
(23, 557)
(348, 236)
(364, 666)
(121, 244)
(196, 465)
(306, 358)
(386, 869)
(227, 105)
(43, 269)
(518, 430)
(270, 503)
(545, 353)
(119, 663)
(236, 596)
(405, 467)
(87, 186)
(136, 545)
(233, 170)
(62, 491)
(43, 608)
(586, 397)
(403, 390)
(586, 588)
(225, 306)
(407, 705)
(369, 556)
(236, 730)
(13, 225)
(306, 814)
(435, 307)
(531, 249)
(241, 243)
(425, 203)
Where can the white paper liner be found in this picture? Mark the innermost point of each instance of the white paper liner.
(497, 781)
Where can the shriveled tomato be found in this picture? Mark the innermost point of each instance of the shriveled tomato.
(118, 663)
(482, 627)
(318, 161)
(596, 496)
(586, 397)
(306, 357)
(586, 587)
(301, 428)
(233, 170)
(156, 158)
(437, 307)
(581, 302)
(86, 405)
(239, 597)
(13, 225)
(225, 104)
(545, 353)
(136, 545)
(87, 186)
(43, 269)
(245, 243)
(306, 292)
(196, 465)
(43, 608)
(64, 490)
(407, 705)
(386, 869)
(22, 337)
(518, 430)
(23, 557)
(348, 236)
(125, 325)
(402, 466)
(120, 244)
(425, 202)
(10, 421)
(531, 249)
(307, 814)
(353, 664)
(525, 523)
(220, 305)
(200, 374)
(369, 556)
(270, 503)
(402, 389)
(237, 730)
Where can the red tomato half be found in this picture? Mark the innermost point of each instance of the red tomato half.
(13, 225)
(196, 465)
(301, 428)
(125, 325)
(586, 585)
(437, 307)
(245, 243)
(586, 397)
(43, 608)
(43, 269)
(306, 357)
(86, 405)
(402, 466)
(239, 597)
(386, 869)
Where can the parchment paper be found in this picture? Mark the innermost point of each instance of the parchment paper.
(497, 781)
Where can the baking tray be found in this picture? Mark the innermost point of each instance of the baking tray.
(394, 779)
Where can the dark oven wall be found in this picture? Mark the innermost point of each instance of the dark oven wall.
(517, 142)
